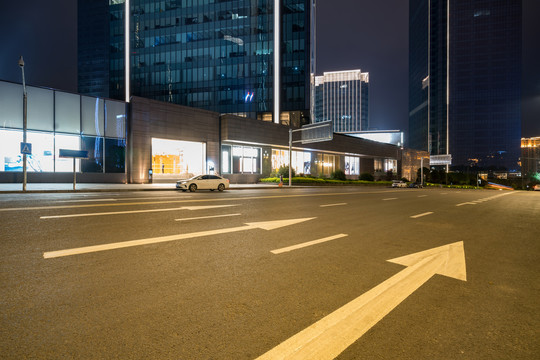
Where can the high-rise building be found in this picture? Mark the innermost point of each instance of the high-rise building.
(465, 81)
(218, 55)
(530, 158)
(343, 97)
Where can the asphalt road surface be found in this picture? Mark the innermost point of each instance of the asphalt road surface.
(297, 273)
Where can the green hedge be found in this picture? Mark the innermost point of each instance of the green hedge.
(319, 181)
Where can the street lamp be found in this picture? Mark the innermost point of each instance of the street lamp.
(21, 64)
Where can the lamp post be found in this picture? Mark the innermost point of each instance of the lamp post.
(21, 64)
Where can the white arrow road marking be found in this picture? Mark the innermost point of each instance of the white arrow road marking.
(136, 211)
(265, 225)
(423, 214)
(306, 244)
(333, 205)
(328, 337)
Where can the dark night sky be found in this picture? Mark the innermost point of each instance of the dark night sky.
(351, 34)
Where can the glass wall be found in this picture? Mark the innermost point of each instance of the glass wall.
(59, 120)
(212, 54)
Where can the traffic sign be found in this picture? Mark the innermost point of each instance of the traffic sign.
(73, 153)
(26, 148)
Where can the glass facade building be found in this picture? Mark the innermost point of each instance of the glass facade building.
(465, 81)
(59, 120)
(343, 97)
(216, 55)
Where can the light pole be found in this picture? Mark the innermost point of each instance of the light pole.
(422, 171)
(21, 64)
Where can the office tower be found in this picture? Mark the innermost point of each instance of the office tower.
(343, 96)
(465, 81)
(217, 55)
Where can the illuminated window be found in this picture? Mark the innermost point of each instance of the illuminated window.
(10, 154)
(246, 160)
(352, 165)
(42, 159)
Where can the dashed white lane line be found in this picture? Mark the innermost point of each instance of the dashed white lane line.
(306, 244)
(387, 199)
(466, 203)
(135, 211)
(422, 195)
(423, 214)
(339, 204)
(206, 217)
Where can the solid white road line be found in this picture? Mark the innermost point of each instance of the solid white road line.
(85, 200)
(306, 244)
(332, 204)
(265, 225)
(389, 199)
(423, 214)
(134, 211)
(206, 217)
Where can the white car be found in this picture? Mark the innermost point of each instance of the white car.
(399, 184)
(207, 182)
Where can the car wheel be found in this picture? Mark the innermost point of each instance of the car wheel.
(221, 187)
(192, 187)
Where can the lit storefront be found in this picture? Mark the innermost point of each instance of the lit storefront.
(59, 120)
(177, 159)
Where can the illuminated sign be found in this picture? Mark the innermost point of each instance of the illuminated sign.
(440, 160)
(249, 97)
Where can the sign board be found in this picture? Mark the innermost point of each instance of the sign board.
(321, 131)
(26, 148)
(73, 153)
(440, 160)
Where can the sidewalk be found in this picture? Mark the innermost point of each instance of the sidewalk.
(11, 188)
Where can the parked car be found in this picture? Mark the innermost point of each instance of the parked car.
(207, 182)
(536, 187)
(415, 185)
(399, 184)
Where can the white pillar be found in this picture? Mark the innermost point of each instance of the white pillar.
(277, 50)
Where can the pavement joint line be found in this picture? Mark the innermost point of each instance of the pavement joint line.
(339, 204)
(423, 214)
(206, 217)
(308, 243)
